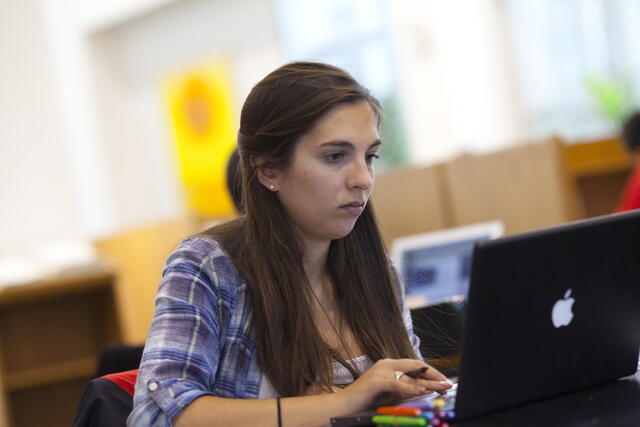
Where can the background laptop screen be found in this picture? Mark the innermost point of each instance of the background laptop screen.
(436, 266)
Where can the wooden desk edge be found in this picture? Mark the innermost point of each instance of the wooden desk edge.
(89, 280)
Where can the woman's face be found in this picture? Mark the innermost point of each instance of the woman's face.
(331, 174)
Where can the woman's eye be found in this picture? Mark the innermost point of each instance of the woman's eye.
(370, 158)
(334, 157)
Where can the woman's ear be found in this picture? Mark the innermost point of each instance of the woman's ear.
(268, 176)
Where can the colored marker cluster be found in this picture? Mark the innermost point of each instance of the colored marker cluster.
(423, 413)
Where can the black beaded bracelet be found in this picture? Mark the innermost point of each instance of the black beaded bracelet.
(279, 412)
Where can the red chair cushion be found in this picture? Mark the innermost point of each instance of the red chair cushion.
(126, 380)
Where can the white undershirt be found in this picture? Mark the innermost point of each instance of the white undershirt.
(341, 375)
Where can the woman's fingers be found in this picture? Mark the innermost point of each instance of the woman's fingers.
(429, 384)
(388, 376)
(404, 365)
(404, 387)
(407, 365)
(433, 374)
(439, 386)
(418, 388)
(421, 385)
(430, 380)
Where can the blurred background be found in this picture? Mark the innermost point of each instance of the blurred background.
(117, 120)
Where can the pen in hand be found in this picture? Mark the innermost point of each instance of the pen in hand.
(417, 372)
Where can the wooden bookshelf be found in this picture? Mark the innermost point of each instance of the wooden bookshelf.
(51, 374)
(51, 333)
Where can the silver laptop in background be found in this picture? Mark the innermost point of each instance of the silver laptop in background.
(436, 265)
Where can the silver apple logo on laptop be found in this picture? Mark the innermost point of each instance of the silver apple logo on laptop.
(561, 315)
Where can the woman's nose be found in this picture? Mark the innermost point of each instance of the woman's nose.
(361, 177)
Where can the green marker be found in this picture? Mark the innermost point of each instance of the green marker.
(390, 420)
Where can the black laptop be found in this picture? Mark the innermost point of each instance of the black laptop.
(550, 312)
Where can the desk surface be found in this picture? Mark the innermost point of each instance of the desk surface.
(612, 404)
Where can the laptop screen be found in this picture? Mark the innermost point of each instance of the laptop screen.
(436, 266)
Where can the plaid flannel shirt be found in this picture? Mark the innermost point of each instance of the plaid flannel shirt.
(200, 341)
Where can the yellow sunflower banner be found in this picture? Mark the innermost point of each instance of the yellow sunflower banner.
(199, 101)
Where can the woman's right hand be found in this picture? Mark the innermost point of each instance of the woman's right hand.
(380, 380)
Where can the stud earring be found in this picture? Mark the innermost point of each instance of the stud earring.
(272, 187)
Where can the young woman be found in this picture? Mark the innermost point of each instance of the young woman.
(295, 304)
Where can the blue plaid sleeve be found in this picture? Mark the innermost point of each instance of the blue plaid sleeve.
(181, 355)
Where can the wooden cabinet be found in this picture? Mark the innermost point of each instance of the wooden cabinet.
(596, 173)
(526, 187)
(51, 333)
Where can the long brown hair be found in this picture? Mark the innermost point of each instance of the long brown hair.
(263, 246)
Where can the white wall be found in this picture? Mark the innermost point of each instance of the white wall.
(38, 202)
(129, 61)
(109, 58)
(85, 148)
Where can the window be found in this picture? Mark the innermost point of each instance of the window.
(577, 64)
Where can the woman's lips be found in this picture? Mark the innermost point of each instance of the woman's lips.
(353, 209)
